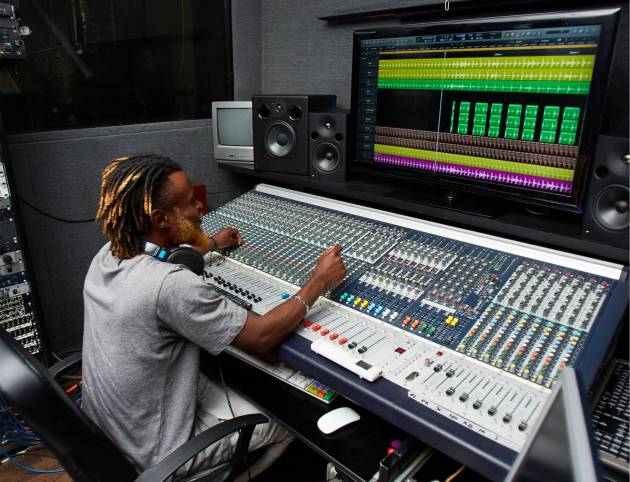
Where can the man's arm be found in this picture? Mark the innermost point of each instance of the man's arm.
(263, 332)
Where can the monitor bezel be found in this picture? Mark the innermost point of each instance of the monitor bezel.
(224, 152)
(607, 18)
(578, 425)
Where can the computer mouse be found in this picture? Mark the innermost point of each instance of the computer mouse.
(337, 418)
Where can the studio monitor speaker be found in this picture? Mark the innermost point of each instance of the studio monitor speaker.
(328, 145)
(280, 127)
(606, 202)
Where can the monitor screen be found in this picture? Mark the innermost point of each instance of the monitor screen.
(234, 126)
(504, 105)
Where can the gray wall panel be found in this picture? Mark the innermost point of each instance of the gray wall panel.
(304, 55)
(246, 48)
(59, 172)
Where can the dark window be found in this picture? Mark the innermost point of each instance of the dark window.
(107, 62)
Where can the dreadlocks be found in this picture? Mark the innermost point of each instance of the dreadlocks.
(130, 188)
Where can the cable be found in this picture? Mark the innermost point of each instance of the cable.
(52, 216)
(452, 476)
(26, 467)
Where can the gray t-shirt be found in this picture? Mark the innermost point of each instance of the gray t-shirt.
(144, 323)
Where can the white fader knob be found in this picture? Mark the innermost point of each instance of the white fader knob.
(346, 360)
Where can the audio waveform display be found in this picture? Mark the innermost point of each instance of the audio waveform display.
(504, 107)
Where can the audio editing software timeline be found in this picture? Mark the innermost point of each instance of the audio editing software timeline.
(503, 107)
(473, 330)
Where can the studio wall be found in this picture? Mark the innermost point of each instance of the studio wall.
(59, 172)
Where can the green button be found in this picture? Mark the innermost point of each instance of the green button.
(513, 121)
(493, 131)
(549, 124)
(531, 111)
(329, 394)
(495, 120)
(568, 126)
(551, 112)
(462, 128)
(480, 119)
(515, 109)
(529, 123)
(571, 113)
(481, 108)
(464, 107)
(528, 135)
(479, 130)
(511, 133)
(547, 136)
(567, 138)
(496, 108)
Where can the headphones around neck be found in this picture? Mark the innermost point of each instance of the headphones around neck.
(183, 254)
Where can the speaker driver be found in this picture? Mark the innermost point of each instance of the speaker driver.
(611, 207)
(326, 126)
(326, 157)
(279, 139)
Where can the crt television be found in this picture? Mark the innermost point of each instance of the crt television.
(232, 132)
(505, 106)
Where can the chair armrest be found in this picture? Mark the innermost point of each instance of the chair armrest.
(165, 468)
(65, 364)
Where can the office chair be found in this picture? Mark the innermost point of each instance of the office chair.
(84, 451)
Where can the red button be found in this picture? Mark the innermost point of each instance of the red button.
(333, 336)
(324, 332)
(316, 327)
(307, 323)
(342, 340)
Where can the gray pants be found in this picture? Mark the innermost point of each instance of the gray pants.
(213, 408)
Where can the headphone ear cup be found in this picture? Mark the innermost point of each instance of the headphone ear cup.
(188, 257)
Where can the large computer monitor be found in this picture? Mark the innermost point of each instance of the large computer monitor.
(505, 106)
(559, 447)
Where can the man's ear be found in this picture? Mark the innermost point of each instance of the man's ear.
(160, 219)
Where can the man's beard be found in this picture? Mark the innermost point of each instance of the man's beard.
(187, 231)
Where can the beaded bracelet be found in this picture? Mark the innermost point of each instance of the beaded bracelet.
(303, 301)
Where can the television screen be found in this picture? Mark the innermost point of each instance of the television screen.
(234, 126)
(506, 105)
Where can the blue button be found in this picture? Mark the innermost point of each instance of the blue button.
(284, 295)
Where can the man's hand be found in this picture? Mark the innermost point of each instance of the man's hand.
(227, 237)
(330, 269)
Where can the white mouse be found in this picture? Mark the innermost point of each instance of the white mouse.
(337, 418)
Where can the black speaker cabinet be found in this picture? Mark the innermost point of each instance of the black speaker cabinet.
(328, 141)
(281, 130)
(606, 203)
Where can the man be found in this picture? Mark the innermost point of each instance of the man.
(146, 320)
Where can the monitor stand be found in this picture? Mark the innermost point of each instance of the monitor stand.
(450, 199)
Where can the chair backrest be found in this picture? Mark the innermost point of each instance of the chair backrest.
(84, 451)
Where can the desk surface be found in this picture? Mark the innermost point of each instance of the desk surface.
(346, 448)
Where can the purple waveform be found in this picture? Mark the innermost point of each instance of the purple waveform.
(477, 173)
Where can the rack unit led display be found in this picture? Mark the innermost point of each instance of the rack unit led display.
(504, 104)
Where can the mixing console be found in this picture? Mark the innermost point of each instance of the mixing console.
(473, 327)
